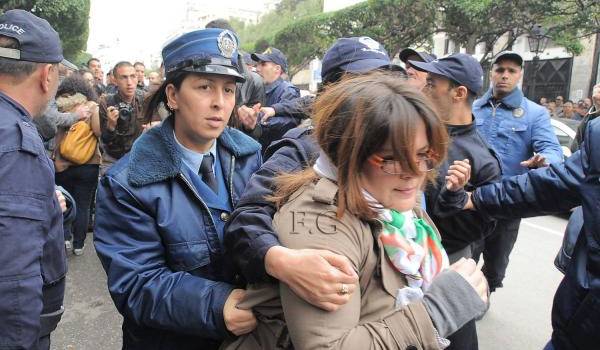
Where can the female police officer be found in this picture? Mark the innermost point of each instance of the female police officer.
(162, 208)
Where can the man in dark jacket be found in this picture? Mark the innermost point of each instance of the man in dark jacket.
(452, 84)
(33, 261)
(250, 238)
(121, 116)
(272, 65)
(559, 187)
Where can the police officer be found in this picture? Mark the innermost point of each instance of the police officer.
(519, 130)
(272, 65)
(162, 208)
(33, 260)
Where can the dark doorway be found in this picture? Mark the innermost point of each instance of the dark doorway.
(553, 78)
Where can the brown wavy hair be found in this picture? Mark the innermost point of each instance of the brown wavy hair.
(353, 120)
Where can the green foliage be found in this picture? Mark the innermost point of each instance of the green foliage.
(469, 22)
(68, 17)
(286, 12)
(261, 45)
(394, 23)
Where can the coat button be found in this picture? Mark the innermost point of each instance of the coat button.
(224, 217)
(411, 347)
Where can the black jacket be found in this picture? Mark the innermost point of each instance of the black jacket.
(249, 232)
(460, 228)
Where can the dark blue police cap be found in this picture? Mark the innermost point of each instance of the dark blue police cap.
(509, 55)
(38, 41)
(460, 67)
(424, 56)
(355, 55)
(209, 51)
(272, 55)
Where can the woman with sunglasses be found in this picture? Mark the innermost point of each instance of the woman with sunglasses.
(380, 141)
(162, 208)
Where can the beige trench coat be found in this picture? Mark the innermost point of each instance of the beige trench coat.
(368, 321)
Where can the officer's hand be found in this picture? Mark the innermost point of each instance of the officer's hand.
(112, 117)
(537, 161)
(61, 200)
(314, 275)
(248, 117)
(238, 321)
(83, 112)
(268, 113)
(458, 176)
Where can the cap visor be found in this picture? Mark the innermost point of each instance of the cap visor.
(510, 56)
(426, 67)
(217, 70)
(406, 53)
(257, 57)
(363, 66)
(69, 65)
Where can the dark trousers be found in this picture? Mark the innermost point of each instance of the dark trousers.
(496, 249)
(81, 182)
(465, 338)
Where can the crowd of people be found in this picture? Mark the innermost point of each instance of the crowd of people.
(559, 108)
(233, 213)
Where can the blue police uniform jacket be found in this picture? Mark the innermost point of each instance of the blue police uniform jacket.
(280, 90)
(278, 93)
(33, 260)
(516, 127)
(557, 188)
(250, 233)
(159, 237)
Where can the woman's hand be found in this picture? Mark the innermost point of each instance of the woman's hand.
(458, 176)
(238, 321)
(317, 276)
(469, 270)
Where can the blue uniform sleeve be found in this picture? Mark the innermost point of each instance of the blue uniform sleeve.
(540, 191)
(144, 289)
(289, 94)
(544, 140)
(298, 108)
(250, 232)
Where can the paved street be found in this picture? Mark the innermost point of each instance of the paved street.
(519, 317)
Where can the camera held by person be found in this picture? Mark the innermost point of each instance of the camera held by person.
(121, 118)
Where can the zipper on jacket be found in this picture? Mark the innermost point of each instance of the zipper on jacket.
(231, 167)
(198, 197)
(493, 109)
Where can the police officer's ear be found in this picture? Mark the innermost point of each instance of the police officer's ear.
(48, 76)
(461, 93)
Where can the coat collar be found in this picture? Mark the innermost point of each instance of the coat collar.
(155, 156)
(512, 100)
(269, 88)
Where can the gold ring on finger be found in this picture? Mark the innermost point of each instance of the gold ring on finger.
(344, 289)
